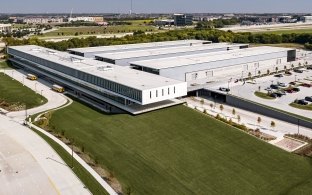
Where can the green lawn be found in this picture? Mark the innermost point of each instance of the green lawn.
(307, 30)
(263, 95)
(180, 151)
(79, 170)
(302, 107)
(288, 45)
(13, 92)
(94, 30)
(4, 65)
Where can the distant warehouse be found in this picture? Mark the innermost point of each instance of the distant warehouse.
(209, 67)
(105, 85)
(89, 52)
(125, 57)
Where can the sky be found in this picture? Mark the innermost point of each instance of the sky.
(156, 6)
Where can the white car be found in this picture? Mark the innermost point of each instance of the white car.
(282, 84)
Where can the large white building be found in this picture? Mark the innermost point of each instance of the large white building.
(307, 19)
(210, 67)
(90, 52)
(100, 83)
(7, 28)
(125, 57)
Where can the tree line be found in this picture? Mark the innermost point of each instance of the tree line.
(213, 35)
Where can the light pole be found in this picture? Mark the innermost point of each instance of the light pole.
(298, 125)
(295, 78)
(36, 87)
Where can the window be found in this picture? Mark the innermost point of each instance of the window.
(194, 76)
(174, 90)
(168, 91)
(162, 92)
(150, 95)
(156, 93)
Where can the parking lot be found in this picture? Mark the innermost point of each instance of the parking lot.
(247, 90)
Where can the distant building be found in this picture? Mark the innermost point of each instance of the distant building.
(307, 19)
(96, 19)
(7, 28)
(39, 20)
(165, 22)
(183, 19)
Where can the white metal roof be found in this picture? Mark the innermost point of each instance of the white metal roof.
(163, 51)
(186, 60)
(134, 46)
(122, 75)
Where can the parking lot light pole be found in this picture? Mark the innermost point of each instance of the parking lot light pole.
(298, 125)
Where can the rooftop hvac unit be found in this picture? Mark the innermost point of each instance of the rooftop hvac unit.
(36, 50)
(105, 68)
(76, 60)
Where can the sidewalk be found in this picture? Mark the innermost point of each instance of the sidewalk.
(249, 118)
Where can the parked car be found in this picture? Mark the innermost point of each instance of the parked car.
(292, 83)
(302, 102)
(273, 95)
(308, 98)
(278, 75)
(224, 89)
(277, 94)
(306, 85)
(281, 92)
(288, 73)
(309, 67)
(289, 91)
(296, 89)
(274, 86)
(298, 70)
(282, 84)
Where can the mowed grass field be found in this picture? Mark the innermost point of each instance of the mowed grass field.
(94, 30)
(285, 31)
(13, 92)
(288, 45)
(4, 64)
(180, 151)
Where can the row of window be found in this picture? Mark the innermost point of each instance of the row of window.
(106, 84)
(163, 91)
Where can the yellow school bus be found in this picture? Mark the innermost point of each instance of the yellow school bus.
(31, 77)
(58, 88)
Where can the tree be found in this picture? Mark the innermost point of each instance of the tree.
(233, 111)
(285, 68)
(76, 33)
(211, 105)
(292, 66)
(268, 71)
(259, 88)
(259, 120)
(276, 69)
(202, 101)
(238, 118)
(249, 74)
(221, 107)
(259, 73)
(273, 124)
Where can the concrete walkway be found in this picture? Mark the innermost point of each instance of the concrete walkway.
(42, 87)
(55, 101)
(249, 118)
(30, 166)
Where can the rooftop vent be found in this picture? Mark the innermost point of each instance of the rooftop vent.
(105, 68)
(51, 52)
(35, 49)
(76, 60)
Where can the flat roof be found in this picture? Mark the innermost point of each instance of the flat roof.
(163, 51)
(186, 60)
(123, 75)
(135, 46)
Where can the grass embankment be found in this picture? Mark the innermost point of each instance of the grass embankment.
(180, 151)
(14, 96)
(5, 65)
(94, 30)
(263, 95)
(302, 107)
(80, 171)
(285, 31)
(288, 45)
